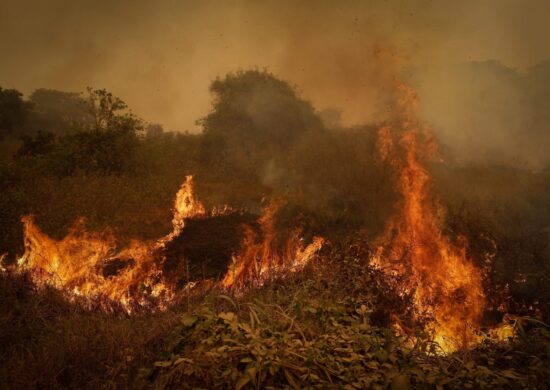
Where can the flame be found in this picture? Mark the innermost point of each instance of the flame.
(446, 286)
(89, 264)
(186, 206)
(261, 259)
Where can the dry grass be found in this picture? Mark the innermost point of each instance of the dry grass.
(50, 343)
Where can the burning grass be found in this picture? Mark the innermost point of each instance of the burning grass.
(90, 265)
(445, 283)
(329, 326)
(245, 302)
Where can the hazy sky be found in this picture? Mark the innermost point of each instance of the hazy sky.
(160, 56)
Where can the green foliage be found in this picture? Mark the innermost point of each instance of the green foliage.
(260, 138)
(109, 113)
(309, 332)
(314, 330)
(41, 144)
(259, 110)
(222, 349)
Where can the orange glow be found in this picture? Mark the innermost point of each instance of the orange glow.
(89, 264)
(186, 206)
(263, 258)
(446, 286)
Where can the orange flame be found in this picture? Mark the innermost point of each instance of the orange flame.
(447, 287)
(262, 259)
(186, 207)
(89, 264)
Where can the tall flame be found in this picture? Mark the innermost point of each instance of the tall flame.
(446, 286)
(89, 264)
(262, 258)
(186, 206)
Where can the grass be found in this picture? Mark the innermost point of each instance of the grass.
(327, 327)
(330, 328)
(47, 342)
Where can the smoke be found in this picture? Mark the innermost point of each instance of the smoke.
(488, 112)
(161, 56)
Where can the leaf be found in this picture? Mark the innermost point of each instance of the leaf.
(228, 299)
(362, 310)
(166, 363)
(243, 380)
(381, 356)
(252, 321)
(246, 327)
(188, 320)
(227, 316)
(255, 314)
(181, 360)
(291, 380)
(509, 374)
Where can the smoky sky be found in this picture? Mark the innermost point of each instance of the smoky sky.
(160, 56)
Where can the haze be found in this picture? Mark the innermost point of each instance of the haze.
(161, 56)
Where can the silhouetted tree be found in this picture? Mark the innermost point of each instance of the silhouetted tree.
(255, 118)
(154, 130)
(105, 143)
(58, 112)
(13, 111)
(109, 113)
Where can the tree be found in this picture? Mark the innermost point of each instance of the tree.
(58, 112)
(154, 130)
(106, 143)
(255, 118)
(13, 110)
(109, 112)
(41, 144)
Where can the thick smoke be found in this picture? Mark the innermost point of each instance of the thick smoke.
(487, 112)
(161, 56)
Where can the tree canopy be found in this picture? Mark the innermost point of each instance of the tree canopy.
(13, 110)
(254, 117)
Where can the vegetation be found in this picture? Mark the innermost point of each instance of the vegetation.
(319, 332)
(67, 155)
(327, 327)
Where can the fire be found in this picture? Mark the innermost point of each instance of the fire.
(446, 286)
(186, 206)
(89, 264)
(263, 258)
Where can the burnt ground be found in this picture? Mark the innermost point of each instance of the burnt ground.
(207, 244)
